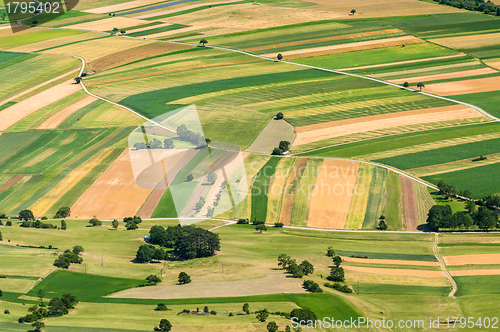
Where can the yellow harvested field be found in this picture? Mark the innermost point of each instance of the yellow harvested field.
(319, 40)
(94, 49)
(32, 47)
(388, 261)
(277, 183)
(350, 46)
(56, 119)
(495, 64)
(331, 197)
(317, 132)
(472, 41)
(404, 62)
(172, 32)
(454, 166)
(182, 8)
(464, 87)
(465, 73)
(121, 6)
(359, 202)
(482, 259)
(18, 111)
(398, 272)
(275, 283)
(428, 70)
(50, 198)
(460, 273)
(107, 24)
(114, 194)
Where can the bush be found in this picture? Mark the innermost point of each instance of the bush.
(339, 287)
(95, 222)
(152, 279)
(242, 222)
(278, 224)
(63, 212)
(330, 252)
(213, 312)
(161, 307)
(184, 278)
(7, 312)
(279, 116)
(8, 223)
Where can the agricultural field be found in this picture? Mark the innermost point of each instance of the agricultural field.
(172, 111)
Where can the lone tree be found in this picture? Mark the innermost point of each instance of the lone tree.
(280, 56)
(337, 260)
(406, 84)
(277, 152)
(190, 178)
(115, 224)
(203, 42)
(279, 116)
(184, 278)
(261, 227)
(115, 30)
(123, 31)
(284, 145)
(420, 85)
(164, 325)
(63, 225)
(353, 11)
(272, 327)
(262, 315)
(38, 326)
(78, 80)
(246, 308)
(63, 212)
(26, 215)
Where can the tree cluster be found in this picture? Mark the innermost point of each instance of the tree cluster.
(57, 307)
(450, 191)
(340, 287)
(131, 223)
(303, 314)
(283, 147)
(69, 256)
(26, 215)
(95, 222)
(291, 266)
(312, 286)
(188, 242)
(473, 5)
(147, 253)
(442, 217)
(187, 135)
(37, 224)
(63, 212)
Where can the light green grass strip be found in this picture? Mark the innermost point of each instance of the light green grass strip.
(300, 212)
(376, 198)
(393, 205)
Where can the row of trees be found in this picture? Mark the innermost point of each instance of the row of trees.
(155, 143)
(188, 242)
(336, 272)
(296, 270)
(187, 135)
(474, 5)
(57, 307)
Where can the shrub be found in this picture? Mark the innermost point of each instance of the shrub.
(330, 252)
(336, 274)
(339, 287)
(213, 312)
(312, 286)
(161, 307)
(6, 311)
(278, 224)
(8, 223)
(95, 222)
(242, 222)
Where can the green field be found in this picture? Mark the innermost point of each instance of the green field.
(260, 189)
(375, 199)
(477, 285)
(305, 187)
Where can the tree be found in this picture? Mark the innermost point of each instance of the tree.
(26, 215)
(382, 225)
(168, 143)
(284, 146)
(353, 11)
(155, 144)
(63, 225)
(38, 326)
(203, 41)
(262, 315)
(285, 261)
(165, 325)
(306, 267)
(272, 327)
(406, 84)
(471, 206)
(190, 178)
(467, 194)
(205, 310)
(246, 308)
(303, 314)
(288, 329)
(261, 227)
(184, 278)
(131, 226)
(420, 85)
(336, 274)
(35, 22)
(279, 116)
(145, 253)
(278, 224)
(280, 56)
(212, 177)
(1, 237)
(330, 252)
(63, 212)
(161, 307)
(77, 250)
(485, 219)
(312, 286)
(41, 295)
(123, 31)
(337, 260)
(8, 223)
(115, 224)
(95, 222)
(277, 152)
(115, 30)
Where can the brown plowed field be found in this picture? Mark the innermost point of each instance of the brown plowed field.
(464, 87)
(12, 181)
(399, 272)
(289, 194)
(482, 259)
(409, 203)
(56, 119)
(332, 194)
(321, 131)
(22, 109)
(114, 194)
(388, 261)
(475, 272)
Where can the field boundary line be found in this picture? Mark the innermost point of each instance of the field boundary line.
(443, 266)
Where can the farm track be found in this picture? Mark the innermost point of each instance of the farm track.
(443, 266)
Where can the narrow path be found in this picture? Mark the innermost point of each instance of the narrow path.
(443, 266)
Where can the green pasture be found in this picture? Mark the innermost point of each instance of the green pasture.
(477, 285)
(376, 199)
(35, 37)
(260, 189)
(305, 188)
(365, 288)
(393, 207)
(443, 155)
(165, 207)
(479, 180)
(394, 142)
(488, 101)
